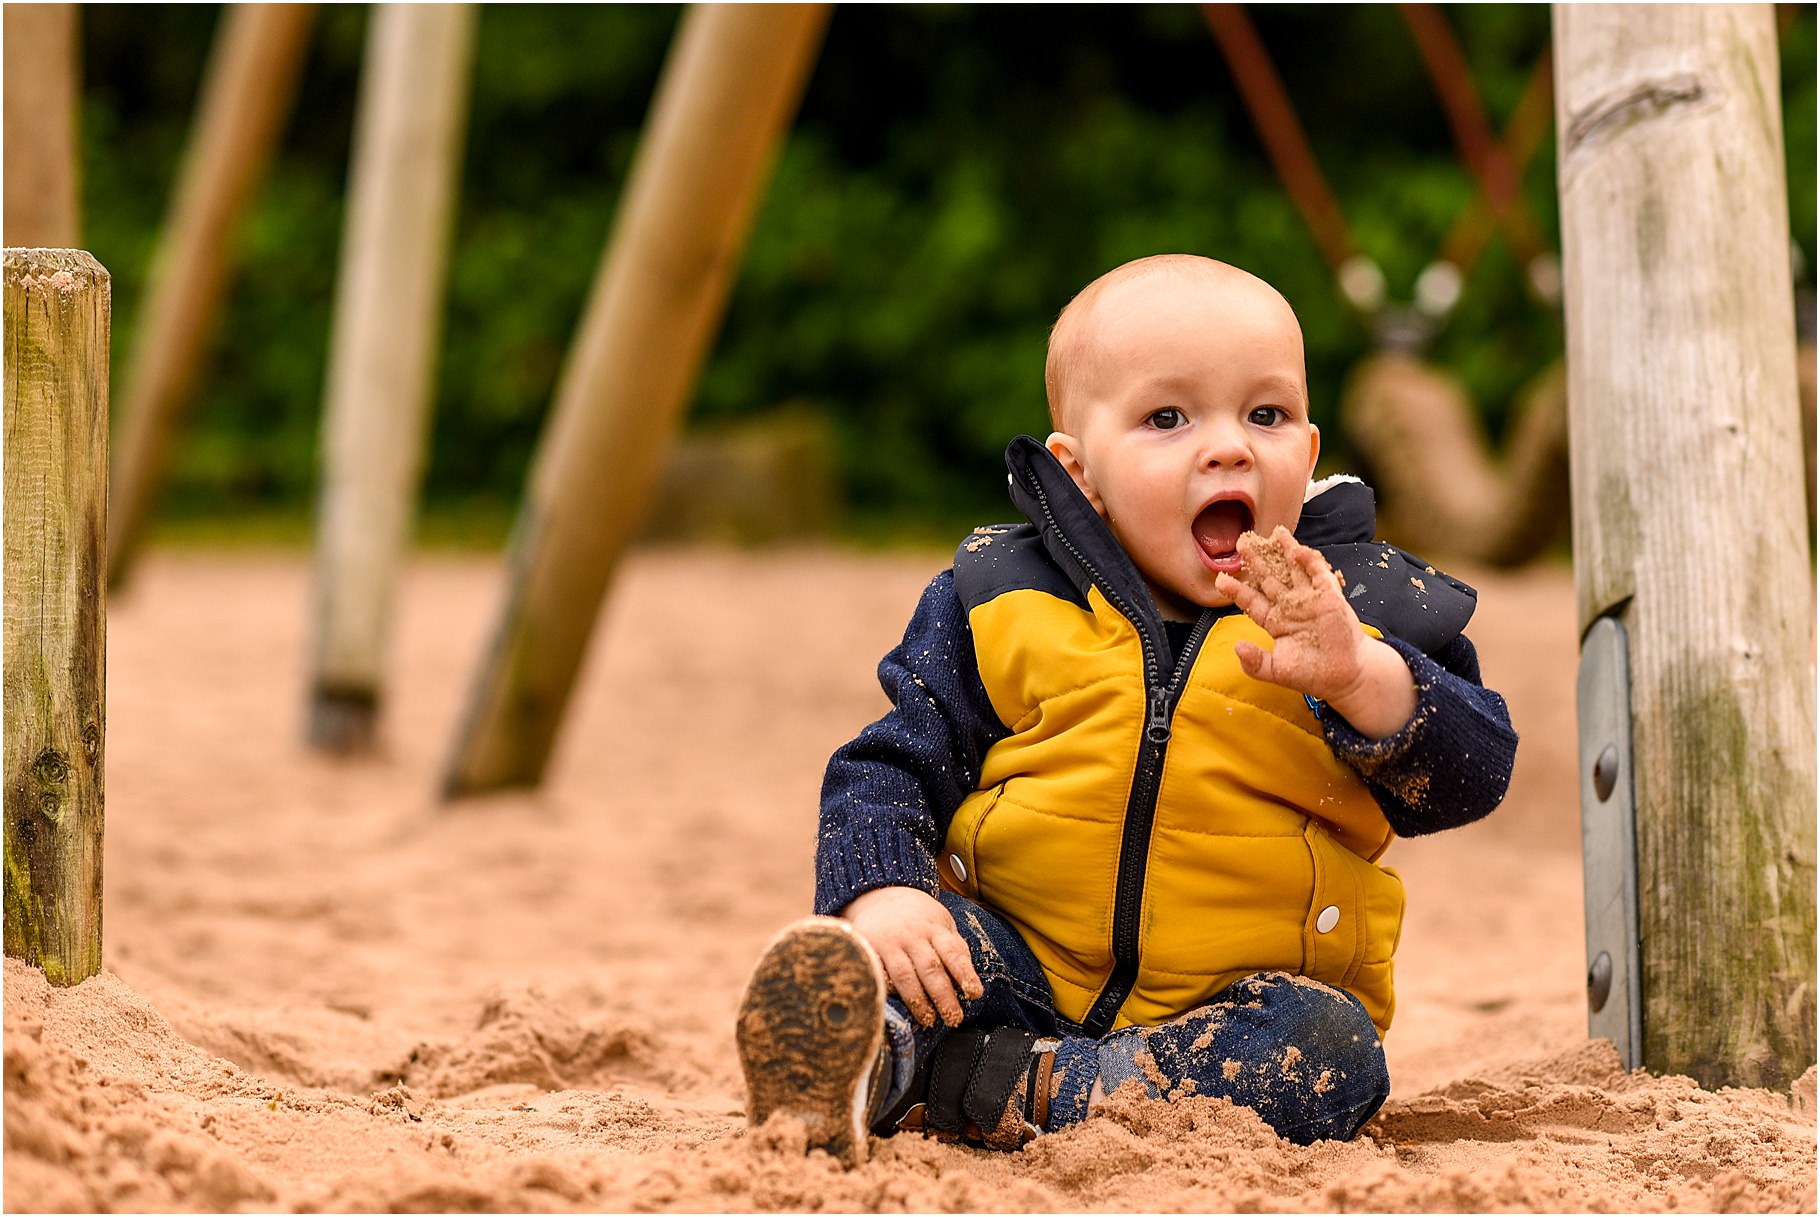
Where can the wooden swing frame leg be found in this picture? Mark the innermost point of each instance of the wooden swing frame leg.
(383, 351)
(43, 209)
(727, 96)
(251, 80)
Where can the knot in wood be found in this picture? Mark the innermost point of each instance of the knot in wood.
(51, 768)
(1638, 102)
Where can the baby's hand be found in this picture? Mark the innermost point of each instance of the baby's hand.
(925, 957)
(1320, 649)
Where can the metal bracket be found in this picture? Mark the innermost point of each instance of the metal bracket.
(1608, 840)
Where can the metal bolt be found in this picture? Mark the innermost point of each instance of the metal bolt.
(1605, 772)
(1598, 982)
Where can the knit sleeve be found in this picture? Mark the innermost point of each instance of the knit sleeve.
(1451, 763)
(887, 796)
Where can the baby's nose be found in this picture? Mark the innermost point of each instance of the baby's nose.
(1225, 446)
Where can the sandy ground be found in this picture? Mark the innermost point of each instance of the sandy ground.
(325, 991)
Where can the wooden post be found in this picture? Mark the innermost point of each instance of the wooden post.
(1688, 514)
(251, 78)
(406, 151)
(728, 92)
(57, 316)
(42, 207)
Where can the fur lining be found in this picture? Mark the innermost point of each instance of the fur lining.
(1327, 483)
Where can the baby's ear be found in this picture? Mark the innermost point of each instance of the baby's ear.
(1067, 449)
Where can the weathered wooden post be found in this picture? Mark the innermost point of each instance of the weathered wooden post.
(40, 120)
(1690, 548)
(252, 75)
(57, 316)
(402, 190)
(728, 92)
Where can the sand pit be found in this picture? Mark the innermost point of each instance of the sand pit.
(325, 992)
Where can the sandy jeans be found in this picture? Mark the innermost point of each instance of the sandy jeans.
(1301, 1054)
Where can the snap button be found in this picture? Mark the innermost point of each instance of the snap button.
(960, 868)
(1330, 917)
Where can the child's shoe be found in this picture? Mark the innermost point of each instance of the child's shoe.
(812, 1034)
(987, 1088)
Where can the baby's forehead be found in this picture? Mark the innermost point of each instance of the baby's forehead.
(1217, 293)
(1129, 305)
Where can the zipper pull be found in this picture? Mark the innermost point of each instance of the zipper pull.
(1157, 730)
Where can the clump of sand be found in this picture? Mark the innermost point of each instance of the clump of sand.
(1266, 558)
(325, 992)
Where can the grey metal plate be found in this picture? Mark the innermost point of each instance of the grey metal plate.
(1608, 838)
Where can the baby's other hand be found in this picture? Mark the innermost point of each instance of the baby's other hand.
(1319, 647)
(924, 955)
(1289, 589)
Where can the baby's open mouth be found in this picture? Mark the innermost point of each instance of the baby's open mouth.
(1217, 528)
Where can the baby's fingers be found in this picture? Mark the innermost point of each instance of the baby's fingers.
(1262, 566)
(1257, 663)
(1313, 564)
(958, 961)
(908, 985)
(932, 972)
(1251, 601)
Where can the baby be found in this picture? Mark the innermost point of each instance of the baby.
(1123, 822)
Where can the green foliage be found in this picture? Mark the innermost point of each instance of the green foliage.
(955, 175)
(1795, 28)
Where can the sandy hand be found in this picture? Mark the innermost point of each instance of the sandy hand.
(1289, 590)
(925, 958)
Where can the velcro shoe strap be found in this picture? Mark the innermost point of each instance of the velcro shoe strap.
(949, 1072)
(997, 1074)
(1037, 1100)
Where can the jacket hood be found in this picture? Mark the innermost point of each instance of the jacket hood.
(1338, 511)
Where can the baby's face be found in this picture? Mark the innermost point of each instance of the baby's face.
(1188, 425)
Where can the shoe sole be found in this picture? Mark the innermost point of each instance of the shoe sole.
(811, 1025)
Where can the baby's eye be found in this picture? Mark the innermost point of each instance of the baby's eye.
(1167, 420)
(1269, 416)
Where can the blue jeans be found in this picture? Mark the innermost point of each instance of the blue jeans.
(1301, 1054)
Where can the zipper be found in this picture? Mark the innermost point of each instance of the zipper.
(1134, 846)
(1157, 729)
(1140, 806)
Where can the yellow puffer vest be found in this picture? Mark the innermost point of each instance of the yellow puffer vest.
(1262, 850)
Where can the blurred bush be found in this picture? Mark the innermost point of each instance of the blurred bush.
(955, 175)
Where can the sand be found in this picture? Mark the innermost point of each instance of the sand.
(324, 991)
